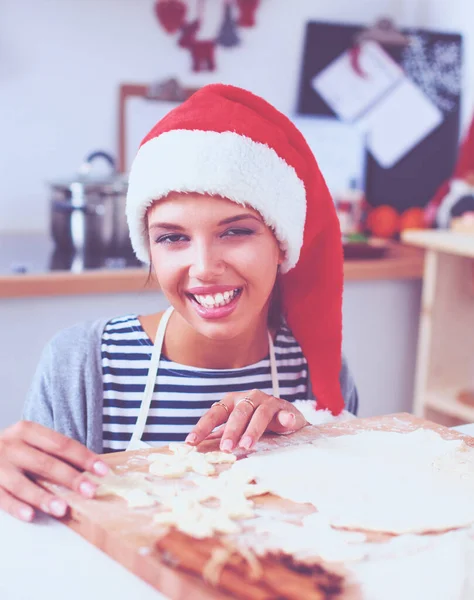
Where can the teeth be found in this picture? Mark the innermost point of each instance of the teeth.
(219, 299)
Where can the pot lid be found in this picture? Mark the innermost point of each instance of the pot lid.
(91, 178)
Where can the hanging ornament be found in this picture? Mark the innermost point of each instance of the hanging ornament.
(170, 14)
(202, 51)
(227, 36)
(188, 34)
(199, 36)
(247, 8)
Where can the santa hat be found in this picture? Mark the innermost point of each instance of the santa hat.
(225, 141)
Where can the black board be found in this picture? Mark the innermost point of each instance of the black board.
(434, 63)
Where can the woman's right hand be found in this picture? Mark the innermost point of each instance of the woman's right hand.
(29, 450)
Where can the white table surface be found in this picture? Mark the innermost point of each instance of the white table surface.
(48, 560)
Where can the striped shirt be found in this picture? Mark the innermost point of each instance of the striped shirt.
(182, 394)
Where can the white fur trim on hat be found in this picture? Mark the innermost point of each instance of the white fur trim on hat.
(319, 416)
(225, 164)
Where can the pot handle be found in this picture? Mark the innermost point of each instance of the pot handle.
(90, 158)
(101, 154)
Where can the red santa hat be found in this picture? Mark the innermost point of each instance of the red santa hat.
(228, 142)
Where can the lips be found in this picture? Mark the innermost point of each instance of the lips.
(217, 304)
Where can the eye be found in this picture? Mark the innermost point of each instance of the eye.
(171, 238)
(237, 232)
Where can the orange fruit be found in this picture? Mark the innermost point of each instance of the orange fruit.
(413, 218)
(383, 221)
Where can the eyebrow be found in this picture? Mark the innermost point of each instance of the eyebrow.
(227, 221)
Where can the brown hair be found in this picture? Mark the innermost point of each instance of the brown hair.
(275, 308)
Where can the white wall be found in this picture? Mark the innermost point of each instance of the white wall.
(61, 62)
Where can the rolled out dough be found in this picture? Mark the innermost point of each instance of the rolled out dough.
(376, 480)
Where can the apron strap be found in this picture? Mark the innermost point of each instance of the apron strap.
(135, 441)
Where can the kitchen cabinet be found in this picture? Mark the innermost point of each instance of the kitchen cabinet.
(445, 354)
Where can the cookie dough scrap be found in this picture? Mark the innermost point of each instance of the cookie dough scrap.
(196, 520)
(132, 487)
(233, 493)
(185, 458)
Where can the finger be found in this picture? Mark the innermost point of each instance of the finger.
(14, 484)
(237, 423)
(216, 415)
(49, 467)
(58, 445)
(216, 434)
(15, 507)
(287, 420)
(259, 423)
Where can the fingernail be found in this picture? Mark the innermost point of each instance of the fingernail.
(87, 489)
(26, 514)
(58, 507)
(100, 468)
(227, 445)
(287, 418)
(246, 442)
(191, 439)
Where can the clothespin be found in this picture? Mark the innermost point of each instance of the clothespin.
(384, 32)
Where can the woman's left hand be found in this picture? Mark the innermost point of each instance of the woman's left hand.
(247, 415)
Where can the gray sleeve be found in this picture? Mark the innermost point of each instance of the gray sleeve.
(348, 388)
(66, 391)
(38, 406)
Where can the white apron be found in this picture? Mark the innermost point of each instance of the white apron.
(136, 441)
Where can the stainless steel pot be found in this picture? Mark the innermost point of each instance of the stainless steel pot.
(88, 212)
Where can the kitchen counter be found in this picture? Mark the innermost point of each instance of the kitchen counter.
(29, 267)
(63, 563)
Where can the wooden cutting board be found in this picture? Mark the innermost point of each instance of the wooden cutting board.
(174, 563)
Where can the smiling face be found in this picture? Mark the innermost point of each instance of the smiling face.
(216, 261)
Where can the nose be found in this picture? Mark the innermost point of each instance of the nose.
(207, 263)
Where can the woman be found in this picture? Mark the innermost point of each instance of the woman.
(226, 201)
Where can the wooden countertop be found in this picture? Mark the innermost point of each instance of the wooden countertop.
(441, 240)
(401, 262)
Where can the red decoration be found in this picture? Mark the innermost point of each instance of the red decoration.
(354, 57)
(202, 51)
(170, 14)
(247, 8)
(188, 34)
(463, 170)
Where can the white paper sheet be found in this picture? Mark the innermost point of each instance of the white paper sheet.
(351, 95)
(339, 149)
(399, 123)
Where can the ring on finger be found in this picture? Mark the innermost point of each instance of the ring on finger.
(223, 406)
(247, 399)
